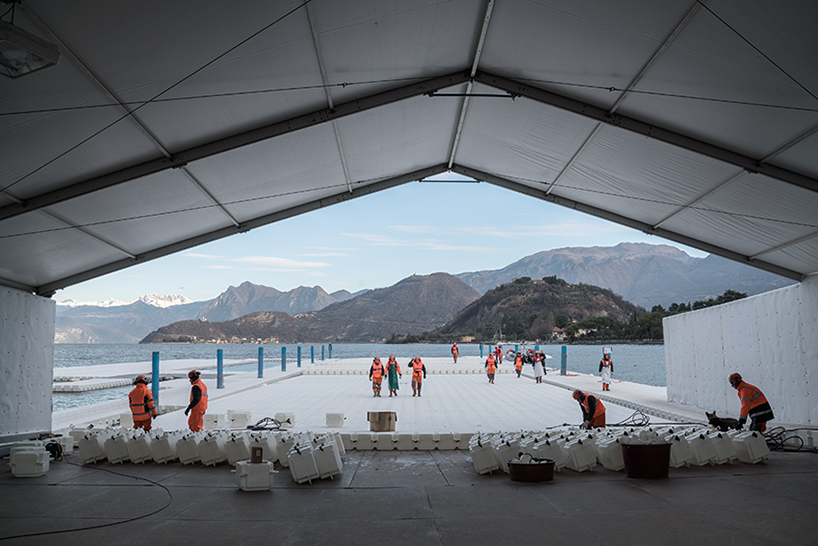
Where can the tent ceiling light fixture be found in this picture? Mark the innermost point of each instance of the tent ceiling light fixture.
(22, 53)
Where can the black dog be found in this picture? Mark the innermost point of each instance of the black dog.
(721, 423)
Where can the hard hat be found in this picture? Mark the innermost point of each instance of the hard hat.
(577, 394)
(193, 374)
(140, 379)
(734, 379)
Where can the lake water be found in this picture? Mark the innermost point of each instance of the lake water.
(636, 363)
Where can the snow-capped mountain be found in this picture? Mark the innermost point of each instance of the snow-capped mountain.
(151, 299)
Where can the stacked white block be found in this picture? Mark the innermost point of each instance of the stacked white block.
(680, 452)
(482, 455)
(214, 421)
(211, 449)
(29, 461)
(187, 447)
(163, 446)
(267, 443)
(92, 447)
(116, 449)
(254, 476)
(327, 459)
(723, 445)
(237, 448)
(751, 447)
(139, 447)
(302, 463)
(335, 419)
(284, 443)
(238, 419)
(702, 448)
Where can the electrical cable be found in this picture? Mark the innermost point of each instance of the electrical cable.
(101, 525)
(777, 440)
(267, 423)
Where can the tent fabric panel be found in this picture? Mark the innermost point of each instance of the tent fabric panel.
(392, 42)
(710, 62)
(36, 248)
(801, 156)
(521, 138)
(576, 48)
(637, 177)
(799, 257)
(375, 150)
(145, 213)
(275, 174)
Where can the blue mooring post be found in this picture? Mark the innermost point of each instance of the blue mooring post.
(516, 349)
(155, 379)
(260, 362)
(220, 369)
(564, 360)
(299, 356)
(312, 354)
(329, 355)
(322, 353)
(284, 359)
(537, 348)
(481, 350)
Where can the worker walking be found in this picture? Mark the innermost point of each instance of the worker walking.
(198, 401)
(418, 375)
(376, 375)
(753, 404)
(593, 410)
(455, 352)
(606, 371)
(142, 407)
(491, 367)
(518, 364)
(392, 375)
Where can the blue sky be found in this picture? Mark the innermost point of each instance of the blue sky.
(371, 242)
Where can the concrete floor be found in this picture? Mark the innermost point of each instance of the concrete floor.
(416, 498)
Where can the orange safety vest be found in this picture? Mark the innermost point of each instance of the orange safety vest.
(377, 370)
(518, 362)
(490, 364)
(454, 350)
(417, 370)
(141, 401)
(750, 397)
(202, 405)
(599, 410)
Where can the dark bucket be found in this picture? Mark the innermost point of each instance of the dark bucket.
(541, 470)
(646, 461)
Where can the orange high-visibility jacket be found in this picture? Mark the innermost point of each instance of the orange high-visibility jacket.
(587, 403)
(491, 365)
(454, 349)
(202, 404)
(389, 364)
(750, 396)
(141, 401)
(518, 362)
(417, 369)
(376, 371)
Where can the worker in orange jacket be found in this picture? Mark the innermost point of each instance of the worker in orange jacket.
(376, 375)
(392, 375)
(753, 404)
(455, 352)
(142, 407)
(198, 401)
(518, 364)
(491, 367)
(593, 410)
(418, 375)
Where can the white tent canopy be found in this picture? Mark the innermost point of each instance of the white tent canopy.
(166, 125)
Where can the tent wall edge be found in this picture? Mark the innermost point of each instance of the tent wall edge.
(49, 288)
(661, 134)
(182, 158)
(625, 221)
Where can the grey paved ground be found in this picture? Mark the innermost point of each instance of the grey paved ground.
(414, 498)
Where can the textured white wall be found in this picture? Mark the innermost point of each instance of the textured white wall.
(26, 362)
(771, 339)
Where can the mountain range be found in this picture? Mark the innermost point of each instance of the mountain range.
(414, 305)
(643, 274)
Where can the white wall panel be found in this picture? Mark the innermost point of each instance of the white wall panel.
(770, 339)
(26, 362)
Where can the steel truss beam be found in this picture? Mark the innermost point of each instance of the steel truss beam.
(345, 195)
(625, 221)
(645, 129)
(247, 138)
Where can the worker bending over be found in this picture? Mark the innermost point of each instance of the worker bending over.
(376, 375)
(198, 401)
(141, 401)
(418, 375)
(593, 410)
(753, 404)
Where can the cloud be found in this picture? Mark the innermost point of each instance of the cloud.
(208, 256)
(218, 267)
(279, 262)
(324, 254)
